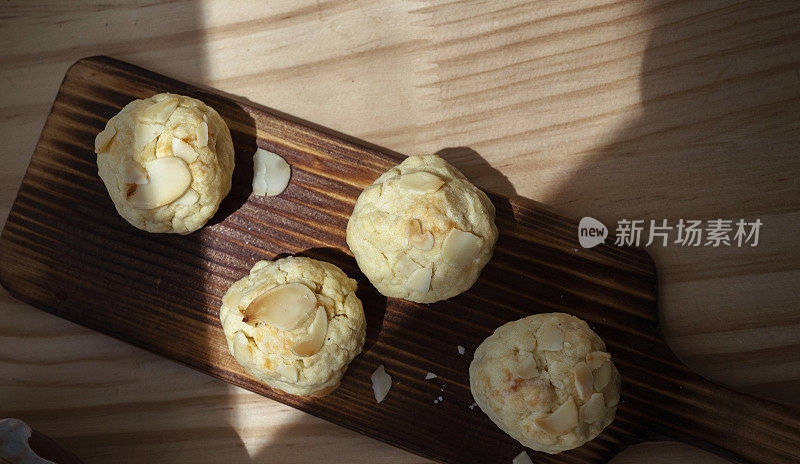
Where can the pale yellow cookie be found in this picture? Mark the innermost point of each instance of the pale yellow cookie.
(547, 381)
(422, 231)
(295, 324)
(167, 162)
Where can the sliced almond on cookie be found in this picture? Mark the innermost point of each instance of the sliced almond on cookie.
(241, 349)
(561, 420)
(421, 182)
(461, 248)
(159, 112)
(583, 380)
(201, 133)
(288, 371)
(188, 199)
(143, 134)
(526, 369)
(602, 375)
(596, 359)
(317, 331)
(592, 410)
(133, 173)
(406, 265)
(103, 140)
(168, 180)
(183, 150)
(550, 338)
(416, 237)
(284, 307)
(420, 280)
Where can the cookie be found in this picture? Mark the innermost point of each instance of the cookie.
(295, 324)
(547, 381)
(422, 231)
(167, 162)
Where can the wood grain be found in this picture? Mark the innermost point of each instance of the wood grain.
(64, 249)
(589, 97)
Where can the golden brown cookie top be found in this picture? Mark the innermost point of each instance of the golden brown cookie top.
(422, 231)
(295, 323)
(167, 162)
(547, 381)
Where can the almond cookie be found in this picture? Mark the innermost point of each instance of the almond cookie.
(295, 324)
(422, 231)
(547, 381)
(167, 162)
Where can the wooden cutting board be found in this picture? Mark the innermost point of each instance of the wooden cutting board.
(65, 250)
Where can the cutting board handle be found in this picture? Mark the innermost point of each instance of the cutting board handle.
(735, 425)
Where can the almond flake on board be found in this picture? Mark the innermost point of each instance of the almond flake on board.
(381, 383)
(271, 173)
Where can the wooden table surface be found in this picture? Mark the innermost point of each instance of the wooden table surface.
(612, 109)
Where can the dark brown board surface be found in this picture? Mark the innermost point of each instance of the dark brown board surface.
(65, 250)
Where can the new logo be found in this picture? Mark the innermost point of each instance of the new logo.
(591, 232)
